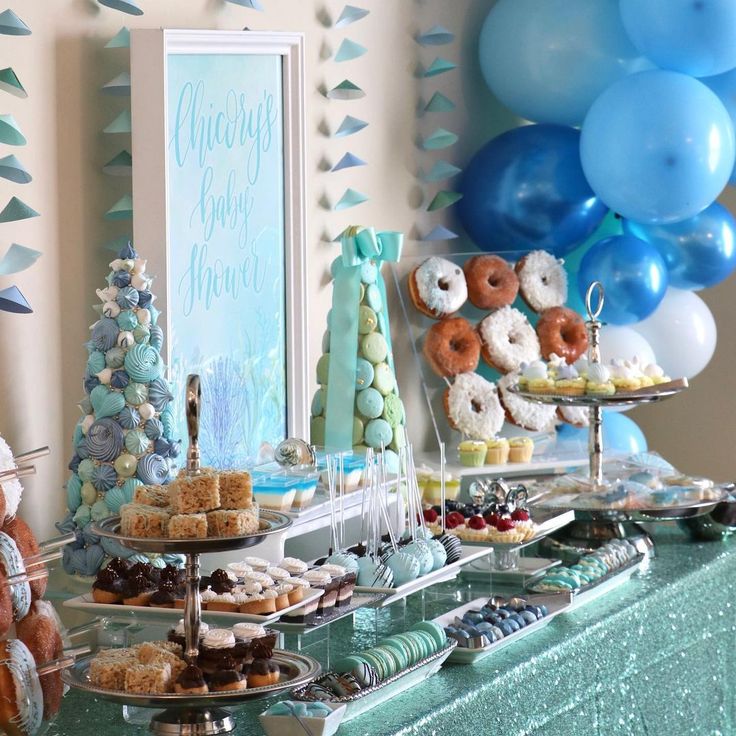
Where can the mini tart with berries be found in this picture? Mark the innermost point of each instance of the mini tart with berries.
(454, 523)
(432, 520)
(505, 532)
(474, 530)
(524, 523)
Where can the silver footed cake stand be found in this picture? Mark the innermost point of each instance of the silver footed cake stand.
(197, 715)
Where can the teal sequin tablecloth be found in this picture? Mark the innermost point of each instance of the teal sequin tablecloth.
(654, 657)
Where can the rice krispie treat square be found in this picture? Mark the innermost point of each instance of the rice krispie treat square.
(148, 678)
(109, 672)
(236, 490)
(188, 526)
(149, 653)
(139, 520)
(169, 646)
(193, 494)
(224, 523)
(152, 496)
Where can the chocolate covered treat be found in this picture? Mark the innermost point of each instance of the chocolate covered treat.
(191, 682)
(109, 587)
(227, 680)
(138, 590)
(262, 672)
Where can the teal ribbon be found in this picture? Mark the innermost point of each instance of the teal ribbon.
(359, 246)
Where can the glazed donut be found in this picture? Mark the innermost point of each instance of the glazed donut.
(437, 288)
(507, 340)
(39, 631)
(21, 697)
(492, 283)
(472, 406)
(22, 535)
(451, 346)
(542, 280)
(521, 412)
(578, 416)
(562, 332)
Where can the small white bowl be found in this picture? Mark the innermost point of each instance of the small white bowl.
(290, 726)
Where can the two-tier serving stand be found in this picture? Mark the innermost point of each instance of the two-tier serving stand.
(197, 715)
(595, 527)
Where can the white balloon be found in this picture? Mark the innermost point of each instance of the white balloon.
(682, 333)
(626, 343)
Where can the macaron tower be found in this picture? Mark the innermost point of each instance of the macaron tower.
(123, 438)
(378, 413)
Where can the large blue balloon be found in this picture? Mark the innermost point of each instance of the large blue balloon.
(633, 274)
(620, 434)
(657, 147)
(724, 85)
(697, 37)
(547, 61)
(526, 190)
(700, 252)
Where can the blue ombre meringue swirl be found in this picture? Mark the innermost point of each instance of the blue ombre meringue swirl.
(159, 394)
(143, 363)
(127, 297)
(104, 440)
(105, 333)
(129, 418)
(153, 429)
(153, 469)
(104, 477)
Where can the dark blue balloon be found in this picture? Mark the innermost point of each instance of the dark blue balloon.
(633, 274)
(525, 190)
(699, 252)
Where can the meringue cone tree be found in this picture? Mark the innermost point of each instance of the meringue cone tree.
(123, 438)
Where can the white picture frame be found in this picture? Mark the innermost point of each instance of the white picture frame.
(154, 53)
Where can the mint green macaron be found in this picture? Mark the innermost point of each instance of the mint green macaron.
(374, 347)
(364, 374)
(357, 430)
(317, 431)
(323, 369)
(393, 410)
(367, 320)
(383, 378)
(319, 401)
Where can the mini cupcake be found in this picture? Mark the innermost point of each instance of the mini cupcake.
(433, 489)
(521, 449)
(599, 381)
(239, 569)
(497, 451)
(537, 378)
(569, 382)
(191, 682)
(472, 453)
(257, 563)
(224, 602)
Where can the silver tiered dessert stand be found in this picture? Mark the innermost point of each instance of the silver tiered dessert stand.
(197, 715)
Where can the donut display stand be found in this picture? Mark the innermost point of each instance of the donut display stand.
(197, 715)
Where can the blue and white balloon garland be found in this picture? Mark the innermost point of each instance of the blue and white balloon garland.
(124, 438)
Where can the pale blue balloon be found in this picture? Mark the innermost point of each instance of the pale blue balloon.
(547, 61)
(657, 147)
(724, 85)
(696, 37)
(621, 434)
(700, 252)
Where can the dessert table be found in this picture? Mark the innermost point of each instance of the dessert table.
(654, 657)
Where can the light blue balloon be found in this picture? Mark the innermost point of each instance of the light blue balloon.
(620, 434)
(633, 274)
(724, 85)
(547, 61)
(696, 37)
(698, 253)
(657, 147)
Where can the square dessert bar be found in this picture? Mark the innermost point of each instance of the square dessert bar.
(236, 490)
(109, 672)
(188, 526)
(148, 678)
(193, 494)
(224, 523)
(139, 520)
(150, 653)
(152, 496)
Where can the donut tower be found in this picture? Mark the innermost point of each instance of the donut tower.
(124, 437)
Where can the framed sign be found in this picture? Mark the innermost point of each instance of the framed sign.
(218, 197)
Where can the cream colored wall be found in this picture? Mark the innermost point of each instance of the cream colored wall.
(63, 65)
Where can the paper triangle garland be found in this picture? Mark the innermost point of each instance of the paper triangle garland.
(121, 40)
(119, 165)
(439, 66)
(439, 103)
(441, 138)
(439, 232)
(350, 14)
(435, 36)
(350, 126)
(12, 25)
(13, 170)
(9, 82)
(10, 132)
(16, 210)
(442, 170)
(11, 300)
(348, 161)
(346, 90)
(349, 50)
(351, 198)
(117, 244)
(118, 87)
(130, 7)
(443, 199)
(252, 4)
(18, 258)
(121, 124)
(122, 209)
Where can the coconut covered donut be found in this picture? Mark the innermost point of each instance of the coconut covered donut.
(542, 280)
(562, 332)
(21, 697)
(508, 340)
(472, 406)
(492, 283)
(578, 416)
(11, 489)
(39, 631)
(521, 412)
(21, 534)
(437, 288)
(452, 346)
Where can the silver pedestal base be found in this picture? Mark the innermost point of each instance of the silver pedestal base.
(183, 722)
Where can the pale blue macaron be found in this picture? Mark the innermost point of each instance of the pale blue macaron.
(378, 433)
(373, 298)
(368, 272)
(370, 404)
(363, 374)
(319, 402)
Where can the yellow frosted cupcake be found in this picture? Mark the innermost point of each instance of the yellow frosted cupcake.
(623, 377)
(497, 451)
(472, 453)
(521, 449)
(599, 381)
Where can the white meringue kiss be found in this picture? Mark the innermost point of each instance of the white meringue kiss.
(111, 309)
(87, 422)
(219, 639)
(105, 375)
(139, 265)
(126, 339)
(108, 294)
(140, 282)
(144, 316)
(146, 411)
